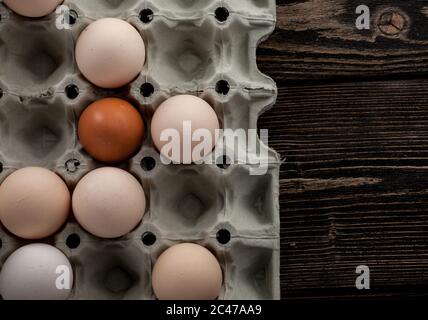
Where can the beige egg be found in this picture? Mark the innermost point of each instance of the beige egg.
(110, 53)
(34, 203)
(33, 8)
(109, 202)
(181, 113)
(187, 271)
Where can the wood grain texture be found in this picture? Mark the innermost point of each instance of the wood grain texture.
(352, 122)
(318, 40)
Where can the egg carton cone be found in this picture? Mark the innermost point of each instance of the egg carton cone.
(205, 48)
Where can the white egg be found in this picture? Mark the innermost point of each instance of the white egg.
(36, 272)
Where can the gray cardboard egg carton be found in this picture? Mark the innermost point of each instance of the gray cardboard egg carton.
(188, 51)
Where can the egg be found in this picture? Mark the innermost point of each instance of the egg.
(36, 272)
(111, 130)
(34, 203)
(110, 53)
(33, 8)
(109, 202)
(187, 271)
(177, 112)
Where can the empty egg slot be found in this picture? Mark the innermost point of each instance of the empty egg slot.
(35, 132)
(186, 201)
(118, 280)
(251, 200)
(186, 59)
(38, 61)
(113, 272)
(237, 118)
(250, 270)
(239, 52)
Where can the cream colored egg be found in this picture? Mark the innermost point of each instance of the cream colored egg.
(191, 118)
(109, 202)
(187, 271)
(110, 53)
(34, 203)
(33, 8)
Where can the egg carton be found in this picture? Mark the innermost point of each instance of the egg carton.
(193, 47)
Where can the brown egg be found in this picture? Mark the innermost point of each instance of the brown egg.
(111, 130)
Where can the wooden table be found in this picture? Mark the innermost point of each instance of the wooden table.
(352, 122)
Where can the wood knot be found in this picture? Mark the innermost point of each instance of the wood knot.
(392, 22)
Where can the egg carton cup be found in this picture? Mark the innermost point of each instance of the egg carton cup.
(189, 51)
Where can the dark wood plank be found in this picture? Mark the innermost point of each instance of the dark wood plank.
(351, 121)
(354, 187)
(318, 40)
